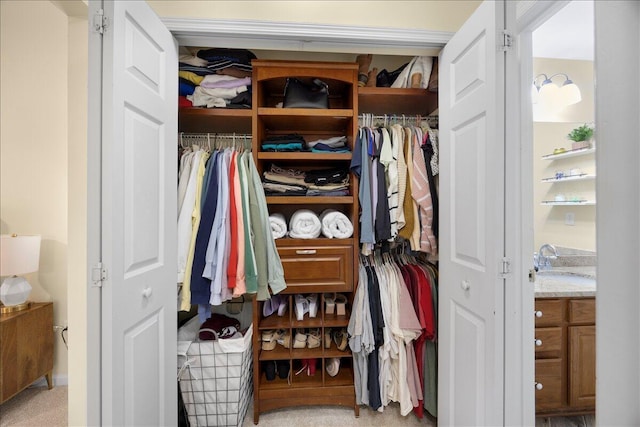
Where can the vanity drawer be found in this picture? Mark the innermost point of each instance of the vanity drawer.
(548, 312)
(550, 340)
(330, 267)
(582, 310)
(549, 377)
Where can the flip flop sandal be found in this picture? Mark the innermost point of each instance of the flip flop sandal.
(330, 304)
(300, 339)
(341, 303)
(340, 338)
(313, 339)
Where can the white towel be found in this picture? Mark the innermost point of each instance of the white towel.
(304, 224)
(278, 225)
(335, 224)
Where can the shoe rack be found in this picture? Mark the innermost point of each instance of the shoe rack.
(319, 266)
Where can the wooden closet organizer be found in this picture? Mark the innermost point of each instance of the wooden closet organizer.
(311, 266)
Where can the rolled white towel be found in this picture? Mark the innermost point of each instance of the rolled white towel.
(304, 224)
(335, 224)
(278, 225)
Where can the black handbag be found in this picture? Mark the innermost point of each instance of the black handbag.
(298, 94)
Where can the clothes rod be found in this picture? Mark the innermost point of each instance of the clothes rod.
(215, 140)
(367, 119)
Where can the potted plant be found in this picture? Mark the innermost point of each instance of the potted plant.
(581, 137)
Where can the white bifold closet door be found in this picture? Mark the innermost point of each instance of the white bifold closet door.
(472, 200)
(139, 197)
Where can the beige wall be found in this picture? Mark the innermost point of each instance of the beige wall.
(33, 144)
(549, 222)
(425, 15)
(77, 170)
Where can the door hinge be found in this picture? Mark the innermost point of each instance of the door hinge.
(505, 268)
(98, 275)
(506, 41)
(532, 275)
(99, 22)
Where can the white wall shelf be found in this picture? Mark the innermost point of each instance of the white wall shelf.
(568, 203)
(569, 153)
(581, 177)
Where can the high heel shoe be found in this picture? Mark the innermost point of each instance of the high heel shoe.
(302, 306)
(341, 339)
(330, 304)
(341, 303)
(313, 305)
(327, 338)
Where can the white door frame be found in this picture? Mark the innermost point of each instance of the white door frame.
(290, 36)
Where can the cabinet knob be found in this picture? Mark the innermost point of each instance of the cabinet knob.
(538, 343)
(538, 313)
(538, 386)
(465, 285)
(146, 292)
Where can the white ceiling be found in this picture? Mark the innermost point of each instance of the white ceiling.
(569, 34)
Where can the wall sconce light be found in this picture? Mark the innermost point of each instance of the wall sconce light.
(553, 97)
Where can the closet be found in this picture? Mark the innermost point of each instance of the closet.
(317, 266)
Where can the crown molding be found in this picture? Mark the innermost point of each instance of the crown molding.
(303, 36)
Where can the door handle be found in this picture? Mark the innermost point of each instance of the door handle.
(306, 251)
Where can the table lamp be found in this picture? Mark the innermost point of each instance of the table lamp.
(18, 255)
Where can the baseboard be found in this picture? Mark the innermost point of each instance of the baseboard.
(58, 380)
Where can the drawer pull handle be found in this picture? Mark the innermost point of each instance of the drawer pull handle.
(538, 313)
(539, 386)
(538, 343)
(306, 251)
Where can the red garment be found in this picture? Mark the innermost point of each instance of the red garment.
(183, 102)
(233, 248)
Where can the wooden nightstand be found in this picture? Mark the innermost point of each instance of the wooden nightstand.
(26, 348)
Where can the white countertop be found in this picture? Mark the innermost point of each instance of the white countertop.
(564, 282)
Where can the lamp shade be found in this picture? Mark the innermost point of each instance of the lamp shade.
(19, 254)
(570, 93)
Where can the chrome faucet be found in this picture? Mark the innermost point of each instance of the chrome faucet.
(542, 261)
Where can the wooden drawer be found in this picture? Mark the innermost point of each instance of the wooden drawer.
(549, 375)
(328, 267)
(582, 310)
(550, 311)
(550, 340)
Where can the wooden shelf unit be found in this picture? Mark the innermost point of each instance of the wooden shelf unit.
(311, 266)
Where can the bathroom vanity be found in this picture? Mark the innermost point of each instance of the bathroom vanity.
(565, 338)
